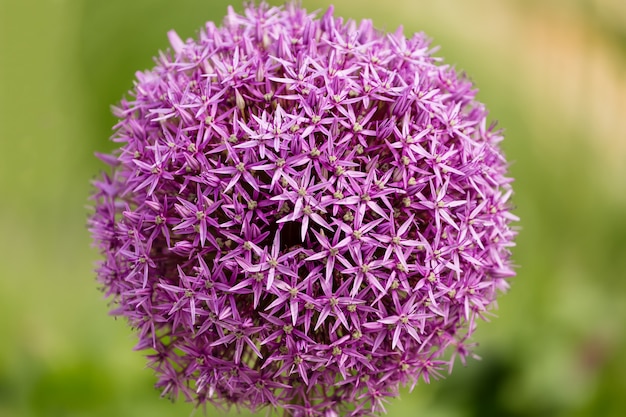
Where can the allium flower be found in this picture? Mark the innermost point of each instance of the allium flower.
(303, 212)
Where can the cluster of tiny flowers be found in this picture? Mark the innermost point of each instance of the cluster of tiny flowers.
(303, 213)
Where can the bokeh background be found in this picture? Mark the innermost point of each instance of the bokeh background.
(552, 73)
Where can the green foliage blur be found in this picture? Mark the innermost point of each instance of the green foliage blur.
(552, 73)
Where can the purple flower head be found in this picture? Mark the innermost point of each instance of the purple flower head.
(303, 212)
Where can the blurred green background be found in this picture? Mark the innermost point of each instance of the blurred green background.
(553, 73)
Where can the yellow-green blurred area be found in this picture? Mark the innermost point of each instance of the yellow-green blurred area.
(552, 73)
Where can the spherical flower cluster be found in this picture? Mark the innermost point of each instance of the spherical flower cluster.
(304, 213)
